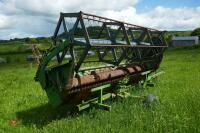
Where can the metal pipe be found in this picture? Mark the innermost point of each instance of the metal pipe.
(94, 77)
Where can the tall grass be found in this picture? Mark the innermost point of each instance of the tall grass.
(22, 100)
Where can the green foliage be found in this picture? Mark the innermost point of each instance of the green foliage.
(123, 83)
(196, 32)
(46, 40)
(8, 59)
(27, 40)
(14, 49)
(15, 58)
(33, 41)
(168, 37)
(20, 47)
(179, 33)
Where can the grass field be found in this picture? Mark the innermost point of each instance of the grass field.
(24, 105)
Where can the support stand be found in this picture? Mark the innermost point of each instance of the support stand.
(148, 80)
(98, 101)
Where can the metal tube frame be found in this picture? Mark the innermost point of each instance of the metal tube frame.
(127, 31)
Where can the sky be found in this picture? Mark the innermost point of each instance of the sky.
(36, 18)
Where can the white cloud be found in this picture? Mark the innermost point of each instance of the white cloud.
(178, 18)
(38, 18)
(53, 7)
(4, 22)
(160, 17)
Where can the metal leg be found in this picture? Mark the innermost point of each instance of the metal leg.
(98, 101)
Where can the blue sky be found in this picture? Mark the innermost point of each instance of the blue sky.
(146, 5)
(22, 18)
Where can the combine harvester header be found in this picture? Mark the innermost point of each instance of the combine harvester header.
(90, 53)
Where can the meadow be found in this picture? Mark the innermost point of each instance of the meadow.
(24, 105)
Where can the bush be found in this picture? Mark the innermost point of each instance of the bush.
(8, 59)
(31, 40)
(196, 32)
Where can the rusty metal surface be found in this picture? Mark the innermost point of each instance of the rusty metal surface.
(103, 76)
(77, 94)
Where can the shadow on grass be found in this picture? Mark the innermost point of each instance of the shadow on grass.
(44, 114)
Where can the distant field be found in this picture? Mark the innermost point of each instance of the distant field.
(23, 101)
(17, 52)
(180, 33)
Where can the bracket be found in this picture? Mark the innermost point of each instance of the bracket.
(97, 101)
(148, 78)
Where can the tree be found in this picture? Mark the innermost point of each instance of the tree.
(31, 40)
(169, 37)
(196, 32)
(47, 40)
(27, 40)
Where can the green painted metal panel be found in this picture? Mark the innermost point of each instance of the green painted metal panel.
(53, 96)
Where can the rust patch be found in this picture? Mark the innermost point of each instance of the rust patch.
(104, 76)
